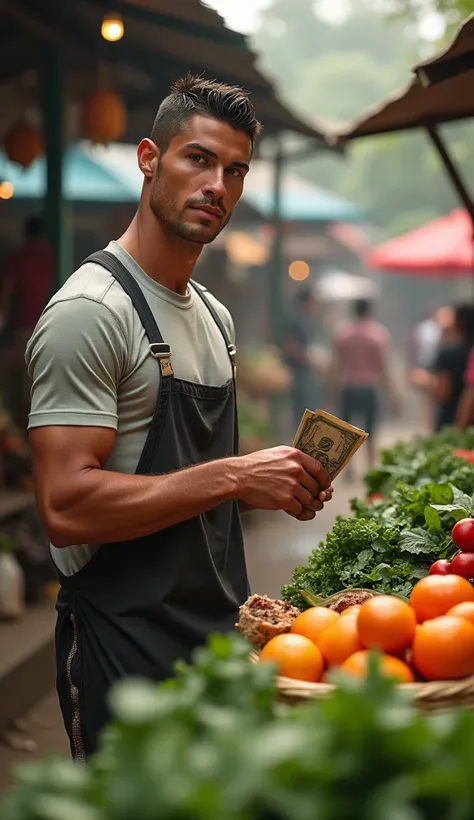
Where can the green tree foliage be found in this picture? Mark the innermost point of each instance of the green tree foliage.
(335, 73)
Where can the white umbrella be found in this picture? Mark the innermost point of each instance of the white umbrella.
(342, 286)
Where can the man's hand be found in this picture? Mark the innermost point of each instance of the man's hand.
(283, 478)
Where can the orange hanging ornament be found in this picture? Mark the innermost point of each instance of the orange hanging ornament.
(104, 117)
(23, 144)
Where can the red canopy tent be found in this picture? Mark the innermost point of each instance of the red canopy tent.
(442, 248)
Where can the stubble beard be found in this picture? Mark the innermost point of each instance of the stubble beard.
(166, 210)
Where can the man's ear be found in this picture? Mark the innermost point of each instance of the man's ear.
(148, 155)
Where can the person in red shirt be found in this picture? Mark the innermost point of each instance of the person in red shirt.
(27, 285)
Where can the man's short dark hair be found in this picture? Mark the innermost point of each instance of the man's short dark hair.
(197, 95)
(362, 308)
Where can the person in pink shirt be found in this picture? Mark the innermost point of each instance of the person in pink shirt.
(361, 370)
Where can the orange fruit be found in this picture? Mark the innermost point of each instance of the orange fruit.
(312, 622)
(443, 648)
(339, 640)
(354, 609)
(435, 595)
(386, 623)
(356, 666)
(464, 610)
(295, 657)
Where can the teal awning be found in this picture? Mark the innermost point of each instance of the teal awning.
(85, 179)
(111, 174)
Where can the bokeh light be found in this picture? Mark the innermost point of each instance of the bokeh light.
(112, 28)
(299, 270)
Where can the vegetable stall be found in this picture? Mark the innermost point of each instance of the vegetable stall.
(383, 611)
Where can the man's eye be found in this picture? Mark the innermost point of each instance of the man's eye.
(197, 158)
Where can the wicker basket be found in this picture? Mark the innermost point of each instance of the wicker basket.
(435, 696)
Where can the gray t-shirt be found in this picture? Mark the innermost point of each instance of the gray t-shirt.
(90, 365)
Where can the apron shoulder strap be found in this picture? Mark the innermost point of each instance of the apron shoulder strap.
(158, 348)
(231, 349)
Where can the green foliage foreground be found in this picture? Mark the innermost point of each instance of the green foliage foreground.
(216, 745)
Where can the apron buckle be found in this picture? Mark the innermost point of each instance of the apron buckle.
(232, 351)
(162, 351)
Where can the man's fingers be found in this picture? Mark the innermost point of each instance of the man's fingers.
(304, 496)
(305, 515)
(310, 483)
(295, 508)
(326, 495)
(315, 468)
(315, 505)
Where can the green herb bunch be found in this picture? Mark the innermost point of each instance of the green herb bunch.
(201, 750)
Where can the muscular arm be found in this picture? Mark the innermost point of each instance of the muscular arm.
(79, 502)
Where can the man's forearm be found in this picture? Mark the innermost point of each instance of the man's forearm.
(103, 506)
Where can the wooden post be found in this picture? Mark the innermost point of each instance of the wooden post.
(56, 210)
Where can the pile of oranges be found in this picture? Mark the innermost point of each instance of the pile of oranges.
(431, 638)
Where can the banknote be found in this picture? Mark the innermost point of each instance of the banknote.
(328, 439)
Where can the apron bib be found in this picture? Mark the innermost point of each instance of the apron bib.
(138, 606)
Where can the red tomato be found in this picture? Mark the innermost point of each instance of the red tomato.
(463, 565)
(463, 534)
(467, 454)
(376, 497)
(441, 567)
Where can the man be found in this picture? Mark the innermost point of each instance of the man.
(360, 369)
(450, 367)
(133, 425)
(298, 340)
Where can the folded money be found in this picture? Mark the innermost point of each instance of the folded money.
(328, 439)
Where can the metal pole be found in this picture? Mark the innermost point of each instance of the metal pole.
(54, 134)
(451, 169)
(454, 176)
(276, 282)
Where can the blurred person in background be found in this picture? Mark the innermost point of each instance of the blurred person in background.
(360, 371)
(429, 337)
(450, 366)
(27, 285)
(465, 409)
(298, 340)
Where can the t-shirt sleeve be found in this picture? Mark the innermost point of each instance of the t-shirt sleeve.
(75, 359)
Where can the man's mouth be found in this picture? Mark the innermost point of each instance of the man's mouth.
(208, 211)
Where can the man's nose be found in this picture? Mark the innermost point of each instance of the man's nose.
(215, 183)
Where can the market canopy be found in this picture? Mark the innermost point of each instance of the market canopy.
(441, 248)
(162, 41)
(452, 61)
(417, 105)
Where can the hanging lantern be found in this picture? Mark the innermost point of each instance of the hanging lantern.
(23, 144)
(112, 28)
(104, 117)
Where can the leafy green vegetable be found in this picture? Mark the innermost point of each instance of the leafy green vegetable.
(191, 751)
(388, 546)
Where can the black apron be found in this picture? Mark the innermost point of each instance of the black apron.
(138, 606)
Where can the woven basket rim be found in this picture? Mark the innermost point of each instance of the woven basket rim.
(427, 694)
